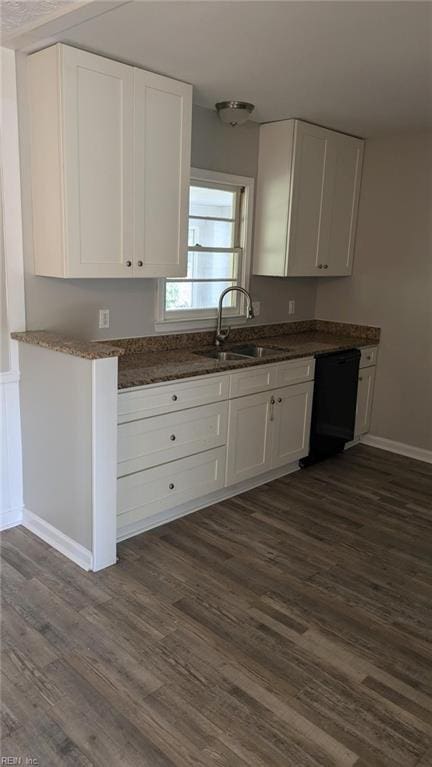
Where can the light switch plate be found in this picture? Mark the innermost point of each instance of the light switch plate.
(291, 307)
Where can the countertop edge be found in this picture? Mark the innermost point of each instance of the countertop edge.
(67, 345)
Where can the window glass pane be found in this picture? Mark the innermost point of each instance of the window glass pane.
(218, 203)
(213, 234)
(197, 295)
(202, 265)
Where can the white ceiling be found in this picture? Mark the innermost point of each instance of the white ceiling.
(18, 14)
(362, 67)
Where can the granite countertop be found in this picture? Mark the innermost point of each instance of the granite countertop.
(150, 367)
(154, 359)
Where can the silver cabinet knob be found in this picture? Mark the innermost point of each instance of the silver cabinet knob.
(140, 263)
(174, 397)
(128, 263)
(172, 437)
(171, 485)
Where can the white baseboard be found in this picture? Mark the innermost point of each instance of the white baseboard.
(397, 447)
(156, 520)
(10, 518)
(58, 540)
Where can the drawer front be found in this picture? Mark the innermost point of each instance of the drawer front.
(252, 380)
(167, 398)
(153, 491)
(162, 438)
(368, 356)
(295, 371)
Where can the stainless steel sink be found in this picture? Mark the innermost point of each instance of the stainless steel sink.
(221, 356)
(240, 352)
(252, 350)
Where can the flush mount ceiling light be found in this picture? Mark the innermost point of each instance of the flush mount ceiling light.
(234, 112)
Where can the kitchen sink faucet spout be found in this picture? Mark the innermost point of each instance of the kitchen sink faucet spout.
(222, 335)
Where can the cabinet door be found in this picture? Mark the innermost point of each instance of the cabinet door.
(163, 109)
(248, 452)
(291, 425)
(343, 184)
(364, 401)
(98, 164)
(309, 200)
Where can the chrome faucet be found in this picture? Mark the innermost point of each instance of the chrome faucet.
(222, 335)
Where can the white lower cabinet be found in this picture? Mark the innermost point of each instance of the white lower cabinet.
(268, 430)
(183, 441)
(291, 424)
(364, 400)
(148, 493)
(248, 437)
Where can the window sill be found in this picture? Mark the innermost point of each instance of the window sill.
(185, 326)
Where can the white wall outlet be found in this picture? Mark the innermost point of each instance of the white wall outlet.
(291, 307)
(256, 305)
(104, 318)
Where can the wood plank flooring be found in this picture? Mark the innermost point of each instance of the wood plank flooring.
(288, 627)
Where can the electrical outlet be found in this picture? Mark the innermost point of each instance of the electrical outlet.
(291, 307)
(256, 305)
(104, 318)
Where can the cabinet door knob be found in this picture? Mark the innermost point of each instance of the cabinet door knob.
(128, 263)
(360, 378)
(325, 266)
(174, 397)
(140, 263)
(171, 485)
(279, 399)
(172, 437)
(320, 266)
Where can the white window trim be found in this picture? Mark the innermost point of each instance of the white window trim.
(206, 322)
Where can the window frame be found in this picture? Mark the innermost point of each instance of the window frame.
(197, 319)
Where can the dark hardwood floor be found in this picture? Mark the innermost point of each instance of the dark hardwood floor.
(290, 626)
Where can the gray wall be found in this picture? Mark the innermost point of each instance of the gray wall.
(71, 306)
(392, 283)
(4, 329)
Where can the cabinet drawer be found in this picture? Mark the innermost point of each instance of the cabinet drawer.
(295, 371)
(153, 491)
(368, 356)
(253, 379)
(167, 398)
(152, 441)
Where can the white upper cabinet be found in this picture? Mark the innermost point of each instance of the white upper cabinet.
(110, 151)
(307, 200)
(163, 109)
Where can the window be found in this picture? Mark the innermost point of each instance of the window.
(218, 250)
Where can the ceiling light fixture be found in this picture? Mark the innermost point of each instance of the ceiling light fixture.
(234, 112)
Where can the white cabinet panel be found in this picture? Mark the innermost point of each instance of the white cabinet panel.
(164, 438)
(308, 199)
(291, 425)
(248, 451)
(167, 398)
(150, 492)
(347, 155)
(368, 356)
(295, 371)
(364, 401)
(252, 380)
(98, 157)
(163, 109)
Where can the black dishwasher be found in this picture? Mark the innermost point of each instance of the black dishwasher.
(334, 404)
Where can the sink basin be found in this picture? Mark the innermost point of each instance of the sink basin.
(251, 350)
(221, 356)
